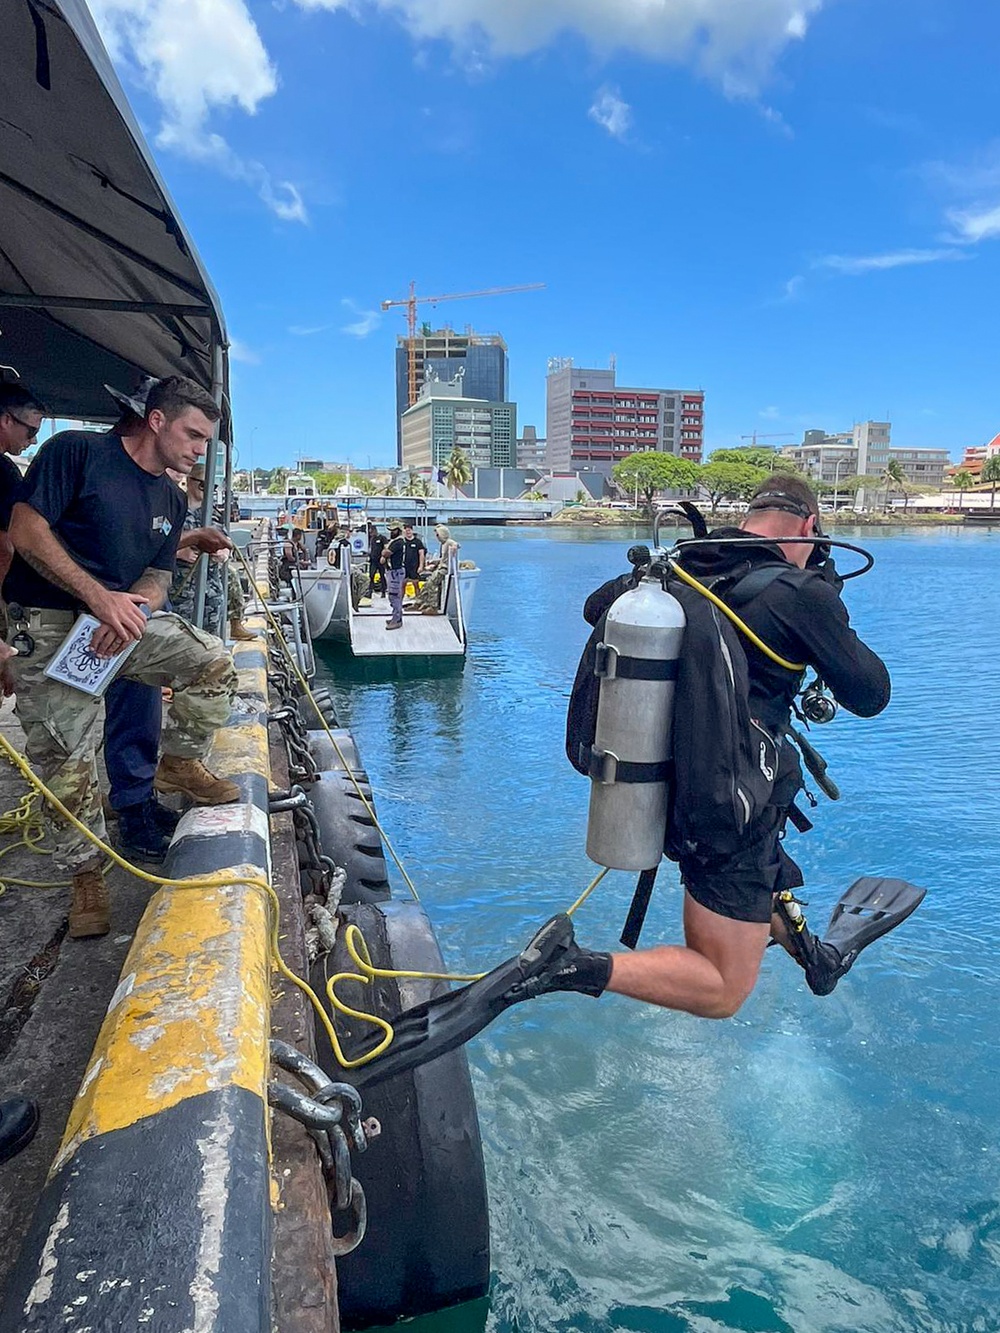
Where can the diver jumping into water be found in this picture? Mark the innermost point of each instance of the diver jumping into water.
(738, 896)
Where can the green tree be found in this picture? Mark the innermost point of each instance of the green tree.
(893, 479)
(991, 473)
(650, 471)
(457, 470)
(416, 484)
(276, 480)
(756, 455)
(962, 481)
(730, 481)
(327, 482)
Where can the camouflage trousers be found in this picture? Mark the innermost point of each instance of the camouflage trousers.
(235, 591)
(182, 594)
(64, 727)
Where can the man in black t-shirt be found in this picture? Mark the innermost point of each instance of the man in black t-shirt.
(96, 528)
(414, 553)
(21, 415)
(393, 557)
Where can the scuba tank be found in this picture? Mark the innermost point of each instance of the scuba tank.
(629, 759)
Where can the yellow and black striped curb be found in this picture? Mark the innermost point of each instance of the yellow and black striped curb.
(156, 1213)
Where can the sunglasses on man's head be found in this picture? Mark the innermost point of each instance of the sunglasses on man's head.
(32, 430)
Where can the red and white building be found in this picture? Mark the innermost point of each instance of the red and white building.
(593, 423)
(975, 456)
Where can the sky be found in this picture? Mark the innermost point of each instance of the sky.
(792, 204)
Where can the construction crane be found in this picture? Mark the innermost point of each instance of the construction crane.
(413, 300)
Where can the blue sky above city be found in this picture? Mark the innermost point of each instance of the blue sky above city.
(793, 204)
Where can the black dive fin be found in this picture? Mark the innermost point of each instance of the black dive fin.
(869, 909)
(448, 1021)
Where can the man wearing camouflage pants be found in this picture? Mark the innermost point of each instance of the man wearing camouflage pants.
(96, 528)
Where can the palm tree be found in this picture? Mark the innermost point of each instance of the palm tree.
(893, 479)
(991, 473)
(961, 481)
(457, 470)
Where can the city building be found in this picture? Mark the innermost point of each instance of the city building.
(440, 354)
(530, 449)
(591, 422)
(975, 455)
(865, 451)
(443, 417)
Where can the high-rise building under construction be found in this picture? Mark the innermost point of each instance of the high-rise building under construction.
(482, 358)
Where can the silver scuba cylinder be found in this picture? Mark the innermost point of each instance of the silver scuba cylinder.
(637, 663)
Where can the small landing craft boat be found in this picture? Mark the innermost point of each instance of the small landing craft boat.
(332, 617)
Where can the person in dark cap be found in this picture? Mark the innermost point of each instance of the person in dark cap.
(394, 562)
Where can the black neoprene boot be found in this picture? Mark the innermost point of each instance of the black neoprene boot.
(821, 962)
(574, 969)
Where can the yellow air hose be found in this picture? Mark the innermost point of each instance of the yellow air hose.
(727, 611)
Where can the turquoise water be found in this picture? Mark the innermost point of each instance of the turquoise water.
(811, 1165)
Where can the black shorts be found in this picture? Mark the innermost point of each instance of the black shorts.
(741, 886)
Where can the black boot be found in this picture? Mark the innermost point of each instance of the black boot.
(18, 1122)
(823, 966)
(139, 835)
(165, 819)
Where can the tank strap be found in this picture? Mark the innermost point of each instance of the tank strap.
(753, 584)
(609, 662)
(604, 766)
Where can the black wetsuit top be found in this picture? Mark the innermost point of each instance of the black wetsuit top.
(801, 617)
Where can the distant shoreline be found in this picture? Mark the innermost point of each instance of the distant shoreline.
(630, 518)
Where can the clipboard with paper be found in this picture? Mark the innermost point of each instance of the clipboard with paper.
(77, 665)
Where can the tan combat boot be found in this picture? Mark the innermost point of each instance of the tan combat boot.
(190, 778)
(89, 911)
(239, 632)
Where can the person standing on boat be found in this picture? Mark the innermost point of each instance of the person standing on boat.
(415, 555)
(326, 537)
(393, 563)
(376, 575)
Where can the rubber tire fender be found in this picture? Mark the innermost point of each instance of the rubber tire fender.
(348, 836)
(326, 756)
(427, 1245)
(313, 714)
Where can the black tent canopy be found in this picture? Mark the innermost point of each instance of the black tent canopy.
(99, 280)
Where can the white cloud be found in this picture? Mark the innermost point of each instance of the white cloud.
(733, 40)
(770, 413)
(239, 351)
(972, 225)
(854, 265)
(367, 321)
(972, 188)
(197, 57)
(307, 330)
(611, 113)
(792, 289)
